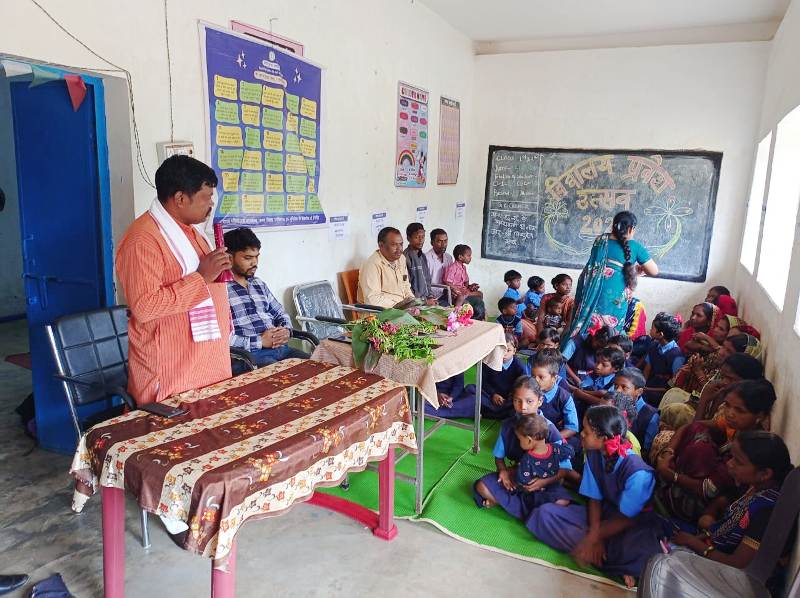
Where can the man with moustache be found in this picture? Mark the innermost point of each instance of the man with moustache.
(260, 324)
(383, 278)
(179, 317)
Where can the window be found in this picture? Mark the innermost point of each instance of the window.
(781, 216)
(755, 205)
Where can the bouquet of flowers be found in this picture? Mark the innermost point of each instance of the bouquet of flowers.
(403, 334)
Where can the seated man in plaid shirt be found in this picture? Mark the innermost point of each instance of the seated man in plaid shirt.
(260, 325)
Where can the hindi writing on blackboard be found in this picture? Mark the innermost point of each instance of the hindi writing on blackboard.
(546, 206)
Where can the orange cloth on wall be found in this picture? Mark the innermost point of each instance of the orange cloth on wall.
(162, 357)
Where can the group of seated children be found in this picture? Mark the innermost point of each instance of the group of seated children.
(528, 314)
(668, 449)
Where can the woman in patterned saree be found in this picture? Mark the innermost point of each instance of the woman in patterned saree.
(606, 284)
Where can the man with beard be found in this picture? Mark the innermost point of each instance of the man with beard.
(179, 317)
(260, 324)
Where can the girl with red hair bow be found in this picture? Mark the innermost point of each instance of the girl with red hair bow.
(617, 531)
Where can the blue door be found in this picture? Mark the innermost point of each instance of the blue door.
(60, 214)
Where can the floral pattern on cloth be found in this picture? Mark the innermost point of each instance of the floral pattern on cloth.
(250, 446)
(601, 298)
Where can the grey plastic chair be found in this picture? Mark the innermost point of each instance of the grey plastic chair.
(91, 355)
(688, 575)
(315, 300)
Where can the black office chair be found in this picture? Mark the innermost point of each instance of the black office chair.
(686, 574)
(248, 364)
(91, 355)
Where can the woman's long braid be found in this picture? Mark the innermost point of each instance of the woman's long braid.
(622, 225)
(628, 270)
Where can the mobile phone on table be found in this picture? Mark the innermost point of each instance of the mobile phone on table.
(164, 410)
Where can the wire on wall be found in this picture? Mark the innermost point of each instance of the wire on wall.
(169, 74)
(139, 159)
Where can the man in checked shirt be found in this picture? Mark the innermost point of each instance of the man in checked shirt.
(260, 324)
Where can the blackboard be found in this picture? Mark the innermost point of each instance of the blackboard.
(546, 206)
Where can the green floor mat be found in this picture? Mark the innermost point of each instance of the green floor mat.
(450, 470)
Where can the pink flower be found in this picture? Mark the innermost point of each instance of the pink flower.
(608, 272)
(376, 343)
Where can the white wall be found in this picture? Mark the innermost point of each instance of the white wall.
(781, 95)
(366, 47)
(679, 97)
(12, 291)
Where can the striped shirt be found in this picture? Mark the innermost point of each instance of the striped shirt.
(253, 309)
(162, 357)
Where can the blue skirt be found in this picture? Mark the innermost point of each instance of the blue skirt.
(627, 553)
(520, 504)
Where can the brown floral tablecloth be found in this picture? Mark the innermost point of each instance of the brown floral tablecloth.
(250, 446)
(482, 341)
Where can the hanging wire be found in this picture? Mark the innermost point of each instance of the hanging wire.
(169, 74)
(139, 159)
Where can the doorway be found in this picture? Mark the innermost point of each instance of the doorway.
(63, 199)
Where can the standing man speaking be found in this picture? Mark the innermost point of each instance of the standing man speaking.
(180, 318)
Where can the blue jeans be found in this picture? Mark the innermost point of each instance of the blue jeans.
(264, 357)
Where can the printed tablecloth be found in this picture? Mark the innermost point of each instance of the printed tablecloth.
(249, 447)
(482, 341)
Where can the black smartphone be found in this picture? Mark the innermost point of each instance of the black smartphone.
(163, 410)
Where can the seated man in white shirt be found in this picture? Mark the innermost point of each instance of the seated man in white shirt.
(438, 260)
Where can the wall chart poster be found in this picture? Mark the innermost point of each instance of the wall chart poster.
(411, 158)
(449, 141)
(264, 131)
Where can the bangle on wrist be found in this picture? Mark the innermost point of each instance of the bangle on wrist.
(675, 477)
(708, 550)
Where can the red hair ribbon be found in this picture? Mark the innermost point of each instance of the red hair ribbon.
(616, 445)
(679, 318)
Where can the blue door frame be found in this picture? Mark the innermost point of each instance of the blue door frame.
(91, 173)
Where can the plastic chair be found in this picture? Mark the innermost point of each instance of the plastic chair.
(349, 280)
(91, 355)
(686, 574)
(320, 311)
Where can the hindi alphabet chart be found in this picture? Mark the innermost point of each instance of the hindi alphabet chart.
(263, 131)
(411, 156)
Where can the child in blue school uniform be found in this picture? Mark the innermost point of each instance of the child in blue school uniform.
(580, 353)
(624, 344)
(664, 357)
(496, 402)
(558, 405)
(509, 319)
(608, 362)
(533, 297)
(455, 400)
(513, 280)
(500, 487)
(631, 382)
(617, 531)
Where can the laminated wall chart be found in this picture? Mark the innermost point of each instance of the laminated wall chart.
(411, 155)
(264, 131)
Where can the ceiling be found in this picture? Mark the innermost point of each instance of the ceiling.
(512, 20)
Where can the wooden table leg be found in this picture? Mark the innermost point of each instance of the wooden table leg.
(386, 529)
(113, 542)
(223, 583)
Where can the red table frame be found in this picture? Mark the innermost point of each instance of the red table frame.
(223, 583)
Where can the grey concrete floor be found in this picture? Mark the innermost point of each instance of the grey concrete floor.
(307, 552)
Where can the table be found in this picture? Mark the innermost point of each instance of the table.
(250, 447)
(482, 342)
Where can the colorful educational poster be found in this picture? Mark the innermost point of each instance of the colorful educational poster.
(411, 156)
(449, 141)
(264, 123)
